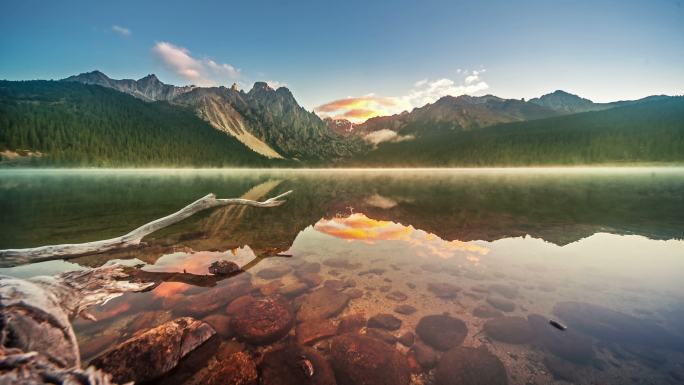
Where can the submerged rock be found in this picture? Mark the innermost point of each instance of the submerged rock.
(352, 323)
(513, 330)
(407, 339)
(274, 272)
(405, 309)
(381, 334)
(501, 303)
(210, 300)
(444, 290)
(341, 263)
(296, 365)
(362, 360)
(441, 331)
(220, 323)
(322, 303)
(397, 296)
(293, 289)
(486, 311)
(312, 331)
(561, 369)
(235, 369)
(470, 366)
(568, 344)
(263, 320)
(508, 291)
(384, 321)
(151, 354)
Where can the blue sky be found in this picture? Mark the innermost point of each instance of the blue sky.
(385, 56)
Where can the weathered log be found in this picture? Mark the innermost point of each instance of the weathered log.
(13, 257)
(37, 341)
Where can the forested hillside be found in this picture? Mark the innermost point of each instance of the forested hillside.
(646, 132)
(73, 124)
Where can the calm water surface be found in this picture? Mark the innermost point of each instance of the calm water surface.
(504, 251)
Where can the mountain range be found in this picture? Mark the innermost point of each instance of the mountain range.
(67, 122)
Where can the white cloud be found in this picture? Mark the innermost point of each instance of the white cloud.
(202, 72)
(424, 91)
(275, 84)
(121, 30)
(385, 135)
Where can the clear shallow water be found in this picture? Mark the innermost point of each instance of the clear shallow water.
(597, 249)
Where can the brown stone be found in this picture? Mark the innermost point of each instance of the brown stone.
(444, 290)
(441, 331)
(382, 335)
(155, 352)
(501, 303)
(354, 293)
(362, 360)
(322, 303)
(397, 296)
(311, 279)
(352, 323)
(470, 366)
(270, 288)
(407, 339)
(263, 320)
(313, 331)
(341, 263)
(384, 321)
(504, 290)
(513, 330)
(236, 369)
(426, 356)
(212, 299)
(296, 365)
(405, 309)
(96, 345)
(223, 267)
(293, 289)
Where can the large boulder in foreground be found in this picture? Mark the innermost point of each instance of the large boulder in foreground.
(362, 360)
(470, 366)
(442, 332)
(263, 320)
(153, 353)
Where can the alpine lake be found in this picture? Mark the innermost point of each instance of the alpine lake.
(434, 276)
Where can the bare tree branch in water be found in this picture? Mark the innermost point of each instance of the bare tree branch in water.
(13, 257)
(37, 340)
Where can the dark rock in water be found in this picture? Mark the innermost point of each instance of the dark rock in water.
(441, 331)
(569, 344)
(613, 326)
(210, 300)
(296, 365)
(223, 267)
(385, 289)
(426, 356)
(508, 291)
(274, 272)
(238, 304)
(220, 323)
(513, 330)
(235, 369)
(152, 354)
(384, 321)
(381, 334)
(444, 290)
(405, 309)
(397, 296)
(561, 369)
(95, 345)
(407, 339)
(341, 263)
(501, 303)
(322, 303)
(263, 320)
(470, 366)
(352, 323)
(312, 331)
(411, 285)
(362, 360)
(336, 284)
(486, 311)
(293, 289)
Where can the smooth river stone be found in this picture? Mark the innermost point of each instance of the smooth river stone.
(322, 303)
(263, 320)
(505, 290)
(315, 330)
(501, 303)
(274, 272)
(442, 332)
(384, 321)
(397, 296)
(362, 360)
(486, 311)
(470, 366)
(405, 309)
(513, 330)
(444, 290)
(292, 365)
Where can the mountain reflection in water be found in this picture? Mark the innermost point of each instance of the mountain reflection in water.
(503, 251)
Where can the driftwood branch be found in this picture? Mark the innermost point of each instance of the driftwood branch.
(13, 257)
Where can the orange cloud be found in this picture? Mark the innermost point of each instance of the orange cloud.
(358, 109)
(358, 227)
